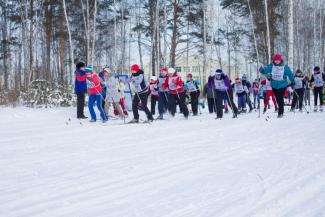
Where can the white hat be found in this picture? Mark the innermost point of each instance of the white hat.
(171, 70)
(153, 78)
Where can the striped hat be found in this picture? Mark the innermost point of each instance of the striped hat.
(89, 68)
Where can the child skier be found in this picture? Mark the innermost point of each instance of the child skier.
(80, 89)
(162, 93)
(176, 93)
(94, 91)
(141, 93)
(153, 90)
(192, 87)
(269, 93)
(256, 91)
(307, 92)
(222, 86)
(240, 90)
(317, 79)
(278, 73)
(248, 86)
(298, 90)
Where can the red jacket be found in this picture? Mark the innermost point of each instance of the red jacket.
(153, 88)
(174, 83)
(93, 84)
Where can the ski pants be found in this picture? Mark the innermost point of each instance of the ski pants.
(80, 104)
(143, 98)
(298, 95)
(219, 98)
(307, 97)
(279, 95)
(180, 99)
(91, 101)
(241, 98)
(162, 102)
(318, 93)
(270, 93)
(194, 102)
(211, 105)
(154, 100)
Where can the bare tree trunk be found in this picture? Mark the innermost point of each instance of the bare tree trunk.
(70, 40)
(5, 46)
(94, 34)
(48, 37)
(204, 43)
(174, 35)
(165, 33)
(61, 46)
(268, 30)
(291, 34)
(31, 74)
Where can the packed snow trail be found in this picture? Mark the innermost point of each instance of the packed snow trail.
(199, 167)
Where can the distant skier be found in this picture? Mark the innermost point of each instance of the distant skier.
(140, 93)
(240, 91)
(154, 95)
(307, 92)
(176, 93)
(269, 94)
(94, 91)
(80, 89)
(101, 75)
(298, 90)
(278, 73)
(248, 86)
(317, 79)
(192, 87)
(162, 93)
(256, 92)
(222, 86)
(208, 93)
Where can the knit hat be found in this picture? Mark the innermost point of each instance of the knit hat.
(244, 77)
(277, 57)
(89, 68)
(298, 72)
(80, 65)
(237, 79)
(316, 69)
(164, 69)
(189, 75)
(135, 67)
(153, 78)
(219, 72)
(171, 70)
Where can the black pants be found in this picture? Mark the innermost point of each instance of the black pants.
(143, 98)
(180, 99)
(211, 105)
(80, 104)
(162, 102)
(279, 96)
(154, 100)
(298, 95)
(318, 92)
(249, 101)
(194, 102)
(230, 99)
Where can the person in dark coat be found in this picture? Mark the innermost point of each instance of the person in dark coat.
(80, 89)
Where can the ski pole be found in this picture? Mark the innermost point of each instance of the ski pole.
(230, 102)
(214, 102)
(299, 100)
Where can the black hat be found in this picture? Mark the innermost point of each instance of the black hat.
(80, 65)
(316, 69)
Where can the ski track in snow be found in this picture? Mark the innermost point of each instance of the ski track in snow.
(201, 167)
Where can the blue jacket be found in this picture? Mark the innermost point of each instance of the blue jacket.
(282, 83)
(80, 84)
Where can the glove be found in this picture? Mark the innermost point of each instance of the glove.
(269, 76)
(261, 69)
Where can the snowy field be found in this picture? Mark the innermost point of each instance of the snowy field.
(199, 167)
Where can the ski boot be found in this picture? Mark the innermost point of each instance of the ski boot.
(160, 117)
(264, 110)
(276, 110)
(133, 121)
(92, 120)
(300, 110)
(280, 115)
(315, 109)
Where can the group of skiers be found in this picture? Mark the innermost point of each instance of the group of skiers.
(169, 90)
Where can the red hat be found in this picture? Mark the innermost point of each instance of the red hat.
(277, 57)
(237, 79)
(164, 69)
(135, 67)
(189, 75)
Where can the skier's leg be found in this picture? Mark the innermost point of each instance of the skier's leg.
(219, 99)
(182, 104)
(210, 105)
(279, 95)
(144, 99)
(230, 100)
(194, 102)
(100, 108)
(91, 101)
(135, 103)
(321, 96)
(294, 101)
(274, 99)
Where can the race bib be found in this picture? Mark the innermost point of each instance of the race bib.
(298, 83)
(277, 73)
(219, 84)
(318, 80)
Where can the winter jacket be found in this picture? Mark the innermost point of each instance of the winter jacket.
(139, 82)
(318, 79)
(94, 84)
(279, 75)
(300, 82)
(113, 89)
(153, 88)
(174, 83)
(221, 84)
(80, 85)
(208, 91)
(267, 84)
(240, 89)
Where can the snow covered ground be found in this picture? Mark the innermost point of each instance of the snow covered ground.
(199, 167)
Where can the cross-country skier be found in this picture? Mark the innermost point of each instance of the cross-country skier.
(278, 73)
(240, 91)
(256, 92)
(248, 85)
(101, 74)
(176, 93)
(223, 88)
(140, 93)
(208, 93)
(153, 90)
(80, 89)
(162, 93)
(307, 92)
(298, 90)
(192, 87)
(317, 79)
(269, 94)
(94, 91)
